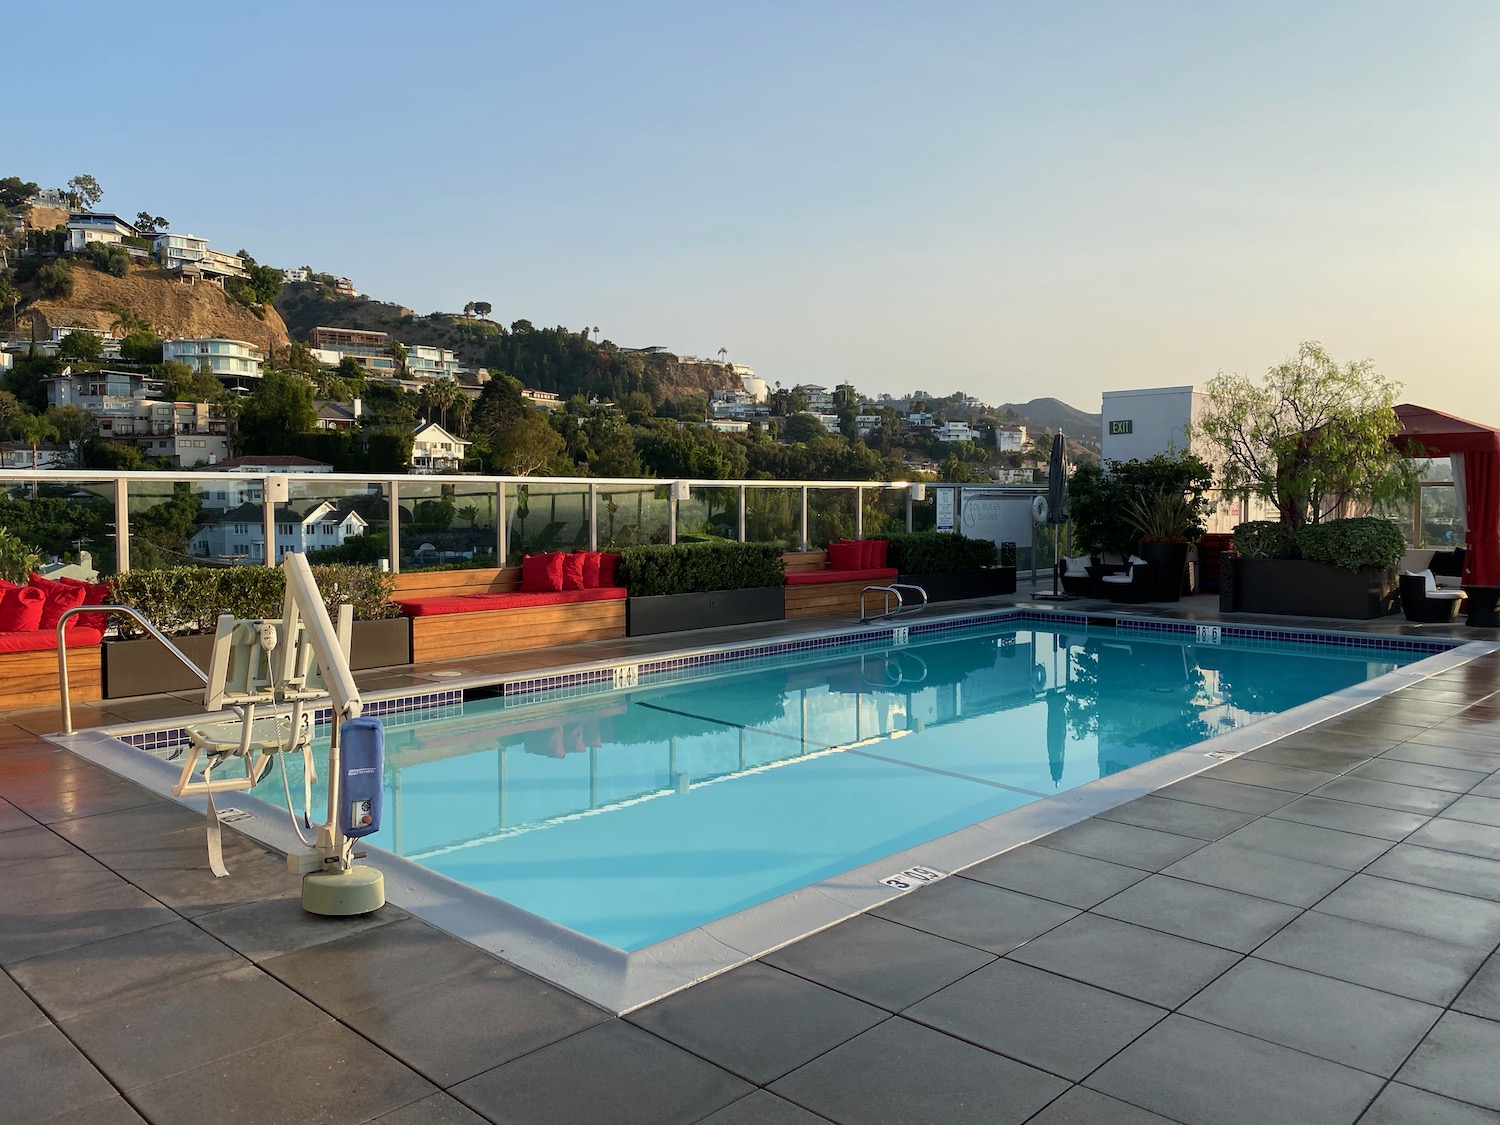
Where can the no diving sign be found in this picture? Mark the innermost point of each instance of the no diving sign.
(913, 877)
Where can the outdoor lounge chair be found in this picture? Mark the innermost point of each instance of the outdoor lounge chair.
(1422, 600)
(1073, 573)
(1130, 586)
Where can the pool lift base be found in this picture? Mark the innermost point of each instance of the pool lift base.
(354, 890)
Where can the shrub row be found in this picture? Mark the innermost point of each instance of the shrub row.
(1353, 543)
(938, 553)
(189, 599)
(695, 568)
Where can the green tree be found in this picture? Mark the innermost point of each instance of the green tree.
(141, 345)
(280, 409)
(11, 411)
(83, 192)
(81, 345)
(147, 223)
(526, 444)
(33, 430)
(15, 192)
(299, 358)
(55, 280)
(113, 259)
(482, 309)
(10, 295)
(181, 383)
(802, 427)
(73, 425)
(1310, 437)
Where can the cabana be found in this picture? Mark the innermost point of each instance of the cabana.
(1474, 451)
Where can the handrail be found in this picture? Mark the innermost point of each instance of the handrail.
(888, 592)
(62, 651)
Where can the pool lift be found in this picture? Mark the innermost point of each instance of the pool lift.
(272, 676)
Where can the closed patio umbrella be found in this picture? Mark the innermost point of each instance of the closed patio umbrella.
(1057, 494)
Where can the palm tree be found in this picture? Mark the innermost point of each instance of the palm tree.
(34, 429)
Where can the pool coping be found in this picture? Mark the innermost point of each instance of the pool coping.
(621, 982)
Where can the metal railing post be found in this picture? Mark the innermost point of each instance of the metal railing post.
(122, 526)
(593, 517)
(393, 512)
(744, 493)
(859, 513)
(502, 525)
(268, 520)
(804, 517)
(910, 492)
(672, 513)
(64, 694)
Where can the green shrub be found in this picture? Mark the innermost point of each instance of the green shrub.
(1264, 539)
(1354, 543)
(937, 552)
(17, 559)
(695, 568)
(189, 599)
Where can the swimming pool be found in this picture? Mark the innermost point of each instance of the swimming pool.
(634, 816)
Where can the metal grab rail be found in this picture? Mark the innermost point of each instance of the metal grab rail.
(889, 592)
(62, 652)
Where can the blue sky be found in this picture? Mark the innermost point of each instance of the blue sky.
(1009, 199)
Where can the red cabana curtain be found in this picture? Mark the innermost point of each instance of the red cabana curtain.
(1482, 480)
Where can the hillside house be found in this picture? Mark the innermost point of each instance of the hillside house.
(435, 450)
(190, 257)
(47, 455)
(189, 434)
(954, 431)
(1011, 439)
(238, 534)
(87, 227)
(371, 350)
(819, 399)
(98, 391)
(300, 273)
(338, 415)
(542, 400)
(345, 286)
(234, 361)
(424, 362)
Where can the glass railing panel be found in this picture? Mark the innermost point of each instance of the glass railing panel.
(342, 521)
(59, 520)
(709, 513)
(774, 515)
(885, 512)
(178, 523)
(631, 515)
(831, 514)
(548, 517)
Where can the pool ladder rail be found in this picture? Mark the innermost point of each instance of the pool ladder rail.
(890, 593)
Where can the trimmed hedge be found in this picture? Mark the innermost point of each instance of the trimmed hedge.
(934, 552)
(1353, 543)
(696, 568)
(189, 599)
(1264, 539)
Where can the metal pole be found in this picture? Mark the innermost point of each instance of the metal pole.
(859, 513)
(502, 525)
(910, 489)
(268, 519)
(672, 513)
(743, 494)
(593, 517)
(393, 512)
(122, 526)
(804, 517)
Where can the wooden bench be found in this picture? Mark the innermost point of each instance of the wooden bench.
(483, 632)
(29, 679)
(828, 594)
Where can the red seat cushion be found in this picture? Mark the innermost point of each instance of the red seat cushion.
(45, 640)
(21, 610)
(95, 593)
(572, 572)
(475, 603)
(876, 552)
(591, 570)
(542, 574)
(609, 565)
(846, 554)
(868, 576)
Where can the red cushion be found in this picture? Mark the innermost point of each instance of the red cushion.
(591, 570)
(474, 603)
(846, 554)
(572, 572)
(4, 586)
(869, 576)
(95, 593)
(21, 610)
(876, 551)
(45, 640)
(60, 597)
(542, 573)
(609, 564)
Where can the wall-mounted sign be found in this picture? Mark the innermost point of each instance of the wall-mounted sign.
(945, 509)
(1123, 426)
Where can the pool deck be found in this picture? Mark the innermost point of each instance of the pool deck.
(1305, 934)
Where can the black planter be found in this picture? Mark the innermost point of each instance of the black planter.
(671, 613)
(1301, 588)
(1168, 565)
(955, 585)
(143, 667)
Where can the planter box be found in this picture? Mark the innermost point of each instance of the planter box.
(955, 585)
(1310, 589)
(670, 613)
(143, 667)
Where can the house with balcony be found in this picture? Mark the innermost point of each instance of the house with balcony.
(236, 363)
(88, 227)
(299, 273)
(100, 391)
(371, 350)
(435, 450)
(819, 399)
(190, 257)
(1011, 439)
(189, 434)
(238, 534)
(424, 362)
(954, 431)
(542, 400)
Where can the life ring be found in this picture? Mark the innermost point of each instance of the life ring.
(1038, 673)
(1039, 509)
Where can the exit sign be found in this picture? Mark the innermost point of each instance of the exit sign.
(1123, 426)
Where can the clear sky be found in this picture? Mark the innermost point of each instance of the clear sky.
(1011, 199)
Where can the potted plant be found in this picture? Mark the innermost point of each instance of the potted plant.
(185, 603)
(950, 567)
(700, 585)
(1337, 568)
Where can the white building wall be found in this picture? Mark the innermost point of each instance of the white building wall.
(1158, 419)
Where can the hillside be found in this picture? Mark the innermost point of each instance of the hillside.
(1053, 414)
(172, 308)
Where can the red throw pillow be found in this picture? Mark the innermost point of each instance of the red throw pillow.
(4, 586)
(95, 593)
(542, 574)
(21, 610)
(572, 572)
(591, 570)
(876, 552)
(59, 596)
(609, 564)
(846, 554)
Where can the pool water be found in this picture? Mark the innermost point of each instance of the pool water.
(635, 816)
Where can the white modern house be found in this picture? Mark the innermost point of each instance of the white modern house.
(819, 399)
(1010, 439)
(99, 391)
(238, 534)
(371, 350)
(189, 255)
(299, 273)
(230, 360)
(424, 362)
(88, 227)
(189, 434)
(955, 431)
(435, 450)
